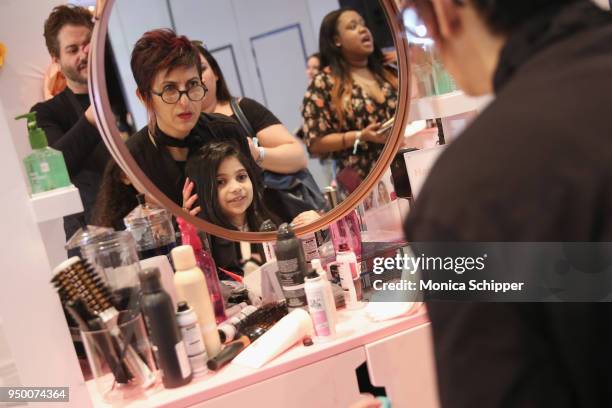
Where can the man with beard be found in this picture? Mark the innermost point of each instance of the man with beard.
(68, 118)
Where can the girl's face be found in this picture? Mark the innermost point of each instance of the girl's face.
(354, 37)
(176, 119)
(210, 80)
(235, 190)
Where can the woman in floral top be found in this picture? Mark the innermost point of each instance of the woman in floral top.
(348, 101)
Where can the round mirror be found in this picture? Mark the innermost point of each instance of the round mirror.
(262, 48)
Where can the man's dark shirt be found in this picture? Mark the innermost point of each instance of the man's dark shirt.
(536, 165)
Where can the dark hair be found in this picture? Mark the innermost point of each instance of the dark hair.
(61, 16)
(115, 199)
(202, 168)
(157, 50)
(331, 56)
(223, 94)
(502, 17)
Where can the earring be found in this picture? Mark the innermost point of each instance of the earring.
(338, 45)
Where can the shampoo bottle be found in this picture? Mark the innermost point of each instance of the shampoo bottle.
(206, 263)
(45, 167)
(291, 266)
(191, 287)
(167, 342)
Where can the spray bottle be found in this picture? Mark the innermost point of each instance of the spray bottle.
(291, 266)
(206, 263)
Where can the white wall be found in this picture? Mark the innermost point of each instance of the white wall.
(21, 77)
(33, 322)
(318, 9)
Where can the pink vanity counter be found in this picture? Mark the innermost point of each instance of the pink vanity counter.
(398, 353)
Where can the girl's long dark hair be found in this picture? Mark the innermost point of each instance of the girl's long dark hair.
(115, 199)
(223, 94)
(202, 168)
(331, 56)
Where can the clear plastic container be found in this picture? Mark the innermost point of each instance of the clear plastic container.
(112, 375)
(152, 230)
(87, 233)
(114, 256)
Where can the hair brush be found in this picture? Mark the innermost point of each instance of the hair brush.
(77, 279)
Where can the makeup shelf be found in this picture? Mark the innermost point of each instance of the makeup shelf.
(48, 211)
(56, 204)
(442, 106)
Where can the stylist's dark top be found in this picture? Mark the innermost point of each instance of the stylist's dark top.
(168, 175)
(536, 165)
(63, 120)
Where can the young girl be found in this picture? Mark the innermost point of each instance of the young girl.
(228, 196)
(224, 186)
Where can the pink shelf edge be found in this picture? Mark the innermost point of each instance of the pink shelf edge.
(233, 378)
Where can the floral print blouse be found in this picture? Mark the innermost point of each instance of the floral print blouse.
(320, 119)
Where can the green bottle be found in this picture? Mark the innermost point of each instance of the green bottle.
(45, 166)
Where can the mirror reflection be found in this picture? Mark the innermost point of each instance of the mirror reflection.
(238, 137)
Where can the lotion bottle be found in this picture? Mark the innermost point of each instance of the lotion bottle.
(316, 265)
(191, 287)
(320, 306)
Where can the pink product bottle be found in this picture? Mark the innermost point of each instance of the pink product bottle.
(206, 263)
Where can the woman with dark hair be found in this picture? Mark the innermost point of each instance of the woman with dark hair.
(168, 72)
(276, 149)
(355, 92)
